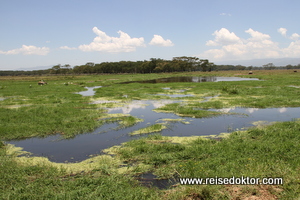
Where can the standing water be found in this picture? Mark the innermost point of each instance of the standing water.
(82, 146)
(85, 145)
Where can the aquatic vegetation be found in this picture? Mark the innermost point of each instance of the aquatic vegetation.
(262, 124)
(230, 90)
(123, 121)
(167, 157)
(150, 129)
(66, 119)
(183, 121)
(55, 108)
(250, 153)
(44, 181)
(84, 166)
(187, 110)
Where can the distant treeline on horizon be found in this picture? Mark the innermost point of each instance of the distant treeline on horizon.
(154, 65)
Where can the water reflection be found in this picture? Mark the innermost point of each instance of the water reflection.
(253, 110)
(140, 106)
(176, 95)
(150, 180)
(194, 79)
(89, 92)
(128, 108)
(80, 147)
(282, 110)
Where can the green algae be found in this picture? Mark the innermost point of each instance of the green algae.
(150, 129)
(124, 120)
(262, 124)
(90, 164)
(183, 121)
(244, 153)
(186, 109)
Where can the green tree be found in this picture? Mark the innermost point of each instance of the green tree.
(65, 69)
(56, 69)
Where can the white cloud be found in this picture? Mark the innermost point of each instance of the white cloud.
(223, 37)
(295, 36)
(105, 43)
(68, 48)
(293, 50)
(258, 45)
(158, 40)
(28, 50)
(225, 14)
(214, 53)
(257, 36)
(282, 31)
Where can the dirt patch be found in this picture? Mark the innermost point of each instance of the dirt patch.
(255, 192)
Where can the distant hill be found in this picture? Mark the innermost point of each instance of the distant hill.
(261, 62)
(34, 68)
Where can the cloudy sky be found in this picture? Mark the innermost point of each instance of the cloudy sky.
(49, 32)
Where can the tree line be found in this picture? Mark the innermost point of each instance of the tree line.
(154, 65)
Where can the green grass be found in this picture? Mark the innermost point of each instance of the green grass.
(50, 109)
(42, 182)
(187, 110)
(149, 129)
(67, 120)
(260, 153)
(124, 121)
(267, 152)
(29, 110)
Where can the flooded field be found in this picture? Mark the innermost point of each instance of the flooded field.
(195, 79)
(83, 146)
(89, 92)
(92, 143)
(90, 132)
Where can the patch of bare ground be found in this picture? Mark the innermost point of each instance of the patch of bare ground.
(194, 196)
(255, 192)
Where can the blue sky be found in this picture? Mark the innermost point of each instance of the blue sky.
(45, 33)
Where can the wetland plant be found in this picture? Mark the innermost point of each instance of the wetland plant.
(271, 151)
(230, 89)
(150, 129)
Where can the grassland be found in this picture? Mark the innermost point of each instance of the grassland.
(29, 110)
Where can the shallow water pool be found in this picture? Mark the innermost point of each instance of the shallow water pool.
(85, 145)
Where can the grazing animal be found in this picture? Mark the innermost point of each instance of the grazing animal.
(250, 72)
(295, 70)
(42, 83)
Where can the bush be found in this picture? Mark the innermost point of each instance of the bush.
(230, 90)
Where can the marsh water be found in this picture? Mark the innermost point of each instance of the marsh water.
(89, 92)
(85, 145)
(195, 79)
(150, 180)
